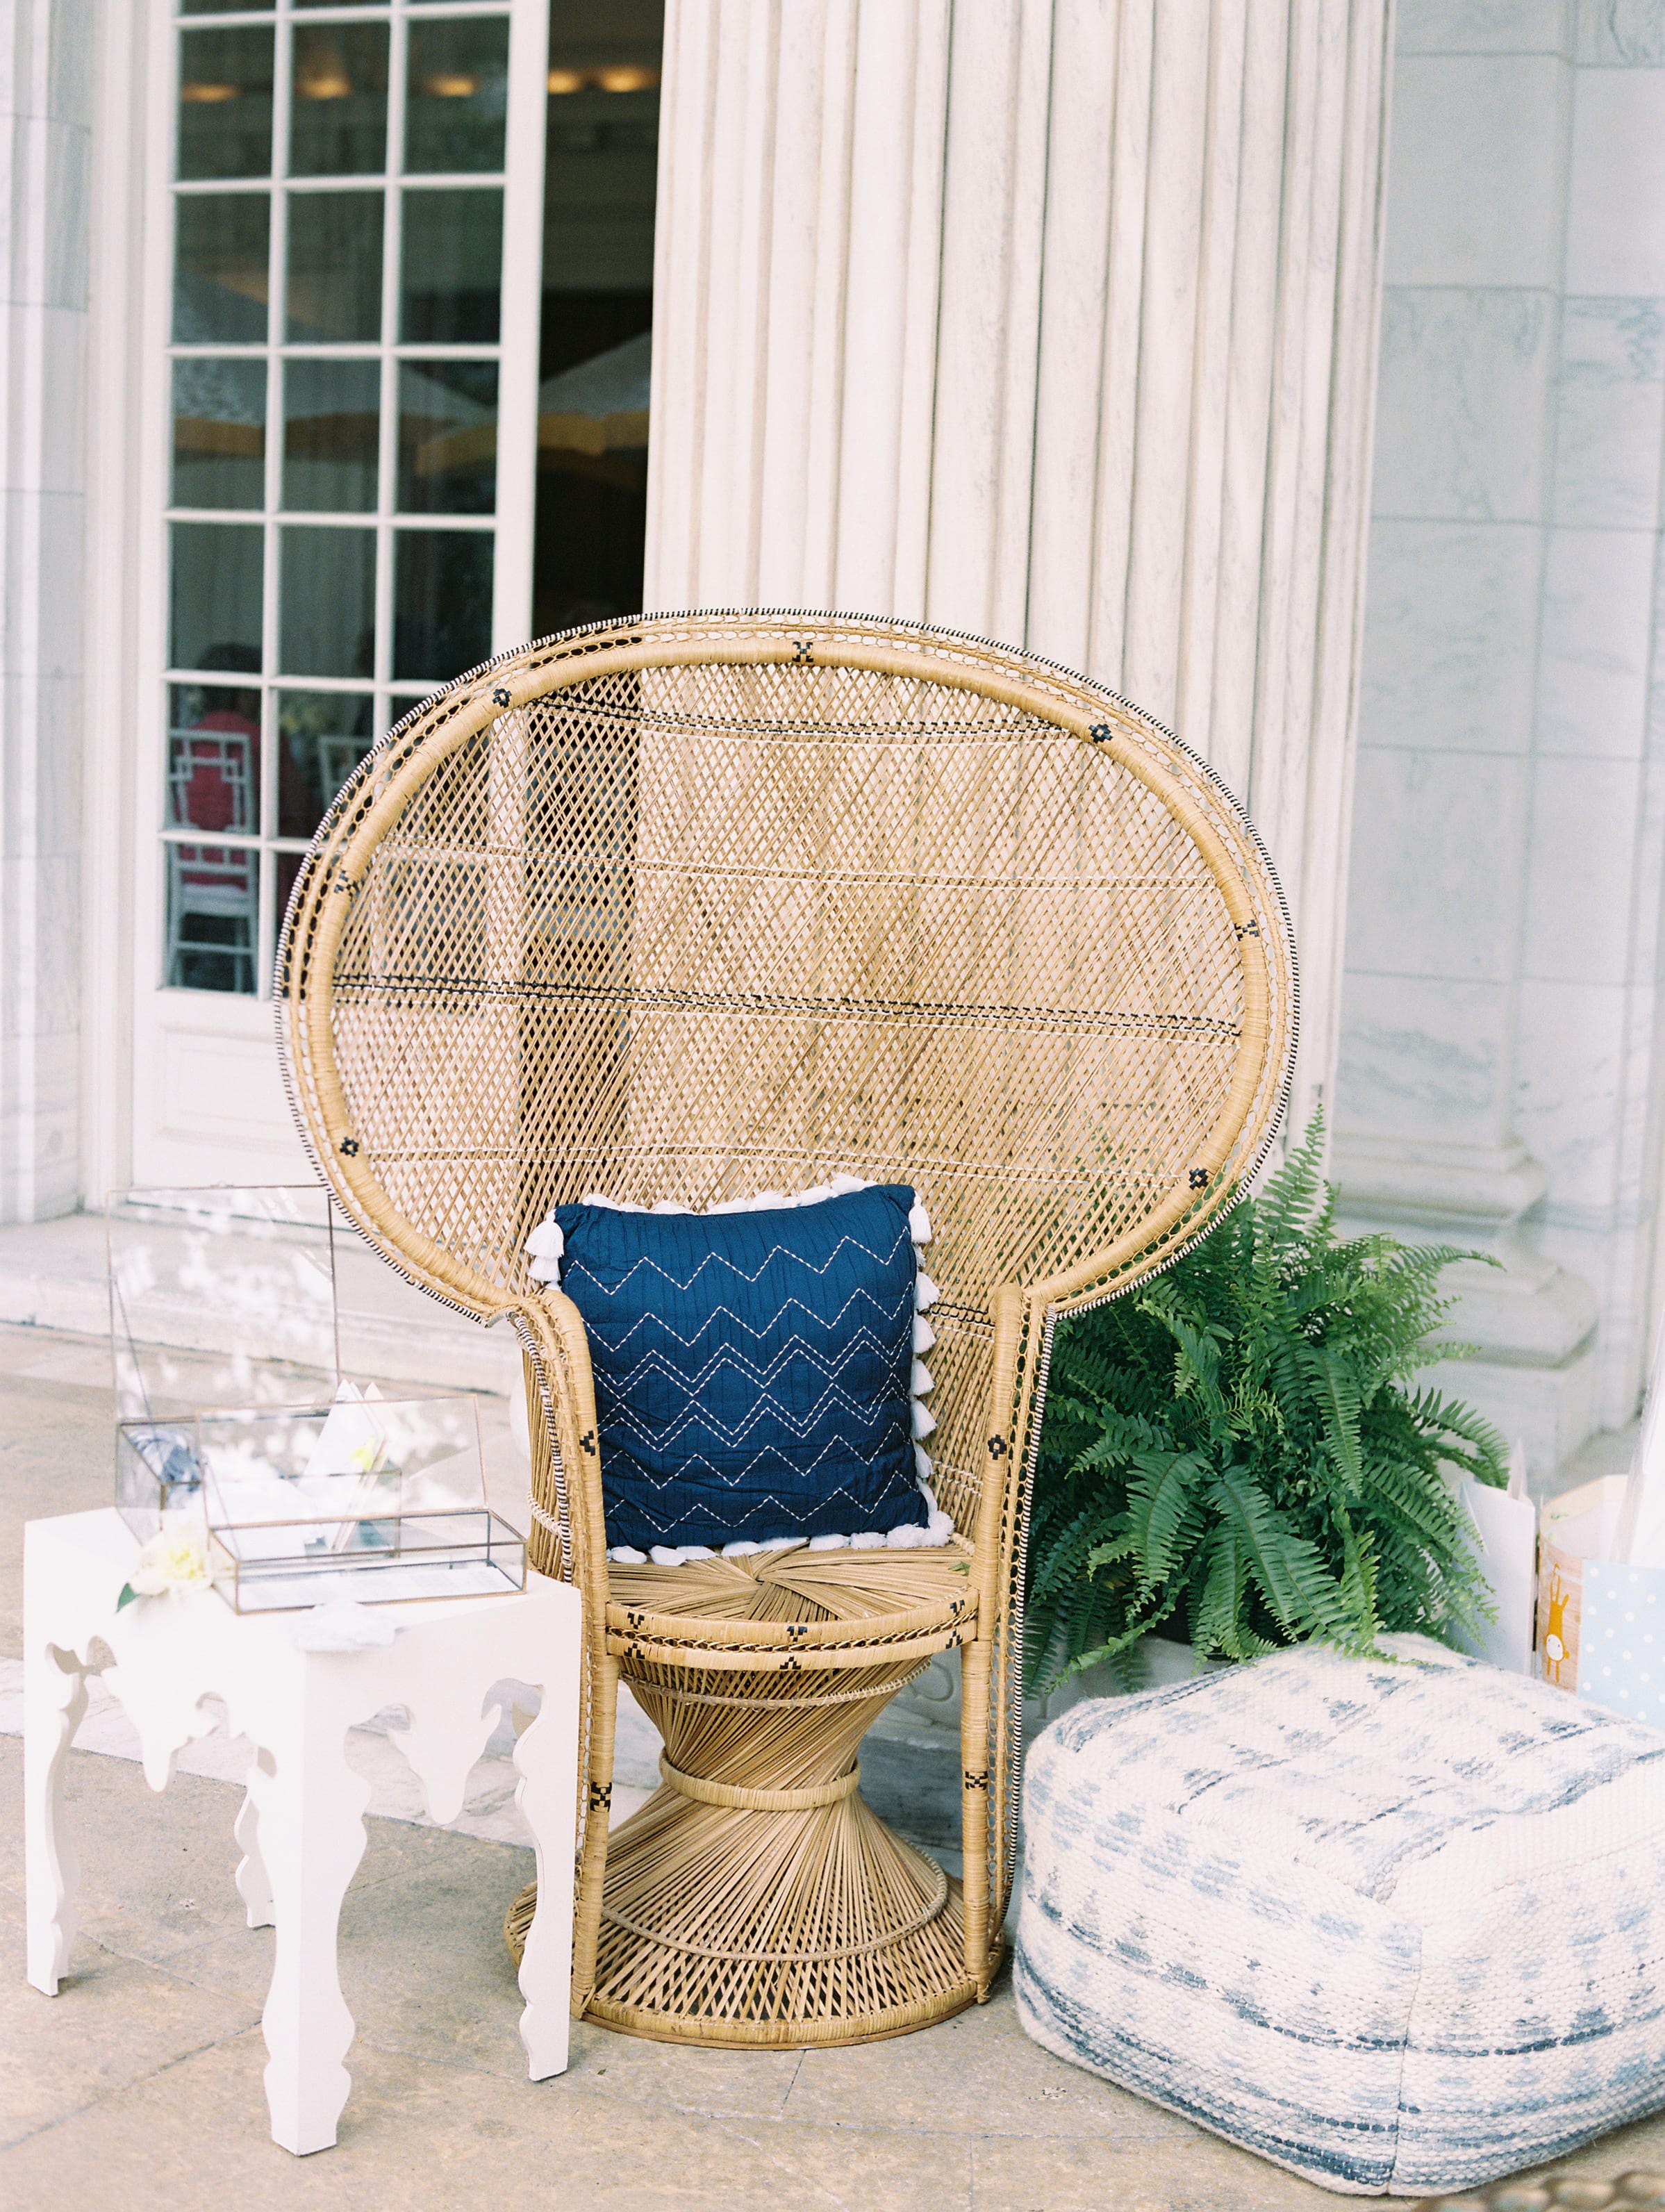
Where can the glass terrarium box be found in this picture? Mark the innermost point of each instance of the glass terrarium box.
(368, 1498)
(237, 1409)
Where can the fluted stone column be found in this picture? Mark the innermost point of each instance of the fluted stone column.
(1052, 321)
(45, 97)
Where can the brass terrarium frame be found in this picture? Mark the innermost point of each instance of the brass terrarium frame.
(700, 905)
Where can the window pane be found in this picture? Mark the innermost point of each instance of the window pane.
(322, 737)
(213, 757)
(457, 94)
(216, 578)
(332, 423)
(327, 602)
(221, 286)
(225, 103)
(213, 913)
(447, 437)
(338, 122)
(441, 603)
(335, 267)
(453, 262)
(218, 7)
(219, 433)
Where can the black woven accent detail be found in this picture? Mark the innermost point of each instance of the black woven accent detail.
(975, 1781)
(1101, 733)
(586, 1442)
(803, 648)
(500, 696)
(349, 1145)
(601, 1797)
(1199, 1178)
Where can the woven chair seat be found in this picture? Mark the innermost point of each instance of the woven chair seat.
(696, 906)
(828, 1603)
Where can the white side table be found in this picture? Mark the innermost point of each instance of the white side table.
(301, 1826)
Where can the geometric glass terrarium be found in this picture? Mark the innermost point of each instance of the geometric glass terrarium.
(368, 1498)
(222, 1297)
(240, 1388)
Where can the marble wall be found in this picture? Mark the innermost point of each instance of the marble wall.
(46, 91)
(1501, 1035)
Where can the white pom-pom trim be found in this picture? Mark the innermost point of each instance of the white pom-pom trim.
(924, 1421)
(926, 1292)
(919, 1382)
(924, 1335)
(937, 1531)
(919, 1223)
(627, 1556)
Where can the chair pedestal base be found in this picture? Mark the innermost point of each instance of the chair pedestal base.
(755, 1898)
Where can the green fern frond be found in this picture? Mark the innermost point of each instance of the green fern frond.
(1239, 1445)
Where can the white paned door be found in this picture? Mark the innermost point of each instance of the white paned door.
(342, 411)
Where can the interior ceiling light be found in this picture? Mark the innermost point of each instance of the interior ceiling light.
(209, 95)
(324, 88)
(617, 76)
(451, 87)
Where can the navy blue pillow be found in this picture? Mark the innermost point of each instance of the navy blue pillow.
(751, 1370)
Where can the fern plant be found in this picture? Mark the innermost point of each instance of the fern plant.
(1236, 1451)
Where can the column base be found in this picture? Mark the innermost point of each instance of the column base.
(1535, 1373)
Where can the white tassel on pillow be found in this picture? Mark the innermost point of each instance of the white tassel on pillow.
(923, 1468)
(924, 1335)
(920, 1382)
(926, 1292)
(924, 1421)
(919, 1223)
(938, 1527)
(545, 1248)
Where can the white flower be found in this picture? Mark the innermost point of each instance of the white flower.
(175, 1560)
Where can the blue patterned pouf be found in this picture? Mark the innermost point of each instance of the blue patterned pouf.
(1398, 1927)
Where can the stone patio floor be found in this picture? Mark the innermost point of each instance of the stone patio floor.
(139, 2085)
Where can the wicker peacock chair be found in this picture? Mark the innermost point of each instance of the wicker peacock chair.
(699, 905)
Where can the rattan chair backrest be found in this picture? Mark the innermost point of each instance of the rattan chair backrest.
(707, 905)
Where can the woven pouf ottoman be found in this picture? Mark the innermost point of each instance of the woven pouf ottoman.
(1398, 1926)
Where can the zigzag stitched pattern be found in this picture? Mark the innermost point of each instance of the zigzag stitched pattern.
(752, 1371)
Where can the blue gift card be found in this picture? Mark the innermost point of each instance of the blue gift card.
(1621, 1640)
